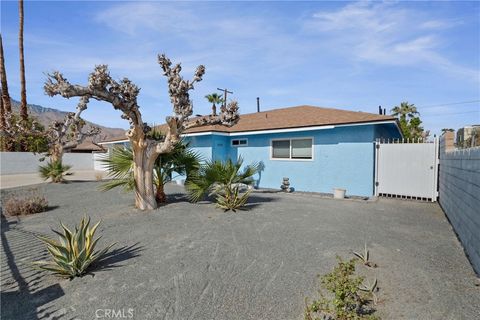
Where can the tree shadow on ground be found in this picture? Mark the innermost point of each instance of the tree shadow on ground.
(23, 295)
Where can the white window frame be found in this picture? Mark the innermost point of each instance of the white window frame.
(239, 145)
(290, 158)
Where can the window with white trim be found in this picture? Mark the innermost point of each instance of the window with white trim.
(294, 149)
(239, 142)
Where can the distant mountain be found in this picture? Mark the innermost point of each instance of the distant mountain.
(47, 115)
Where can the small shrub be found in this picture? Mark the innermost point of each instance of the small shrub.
(345, 300)
(24, 205)
(74, 252)
(54, 170)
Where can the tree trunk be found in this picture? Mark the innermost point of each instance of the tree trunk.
(143, 175)
(7, 105)
(161, 196)
(56, 154)
(23, 91)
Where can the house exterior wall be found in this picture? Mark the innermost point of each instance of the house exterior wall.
(342, 157)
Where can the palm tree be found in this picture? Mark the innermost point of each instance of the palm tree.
(55, 171)
(7, 104)
(405, 110)
(214, 98)
(181, 161)
(23, 90)
(222, 180)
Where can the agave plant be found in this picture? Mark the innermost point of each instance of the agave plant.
(180, 161)
(365, 257)
(74, 252)
(54, 170)
(370, 288)
(223, 180)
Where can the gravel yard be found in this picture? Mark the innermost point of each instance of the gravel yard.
(192, 261)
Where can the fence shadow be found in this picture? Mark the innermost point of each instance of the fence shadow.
(23, 295)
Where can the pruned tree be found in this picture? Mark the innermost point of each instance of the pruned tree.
(62, 136)
(123, 96)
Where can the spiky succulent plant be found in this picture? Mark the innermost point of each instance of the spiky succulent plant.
(74, 252)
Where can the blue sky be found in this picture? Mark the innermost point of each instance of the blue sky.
(349, 55)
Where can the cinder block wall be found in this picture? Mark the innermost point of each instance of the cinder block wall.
(27, 162)
(459, 194)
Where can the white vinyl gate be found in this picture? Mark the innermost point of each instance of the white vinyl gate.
(406, 170)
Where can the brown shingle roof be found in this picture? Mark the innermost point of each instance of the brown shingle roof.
(294, 117)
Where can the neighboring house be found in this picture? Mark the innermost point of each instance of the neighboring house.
(317, 148)
(87, 147)
(468, 136)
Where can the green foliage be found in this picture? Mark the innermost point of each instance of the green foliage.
(74, 252)
(409, 120)
(214, 98)
(18, 205)
(54, 170)
(346, 301)
(222, 180)
(28, 136)
(120, 166)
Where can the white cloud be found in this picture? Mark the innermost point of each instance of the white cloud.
(384, 33)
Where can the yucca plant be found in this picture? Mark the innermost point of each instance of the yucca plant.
(54, 170)
(74, 252)
(223, 180)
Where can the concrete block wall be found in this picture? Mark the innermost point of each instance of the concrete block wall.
(459, 194)
(26, 162)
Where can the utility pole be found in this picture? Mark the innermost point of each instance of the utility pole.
(225, 91)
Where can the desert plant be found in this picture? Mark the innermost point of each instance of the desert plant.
(74, 252)
(365, 257)
(346, 301)
(180, 160)
(54, 170)
(371, 288)
(17, 205)
(223, 180)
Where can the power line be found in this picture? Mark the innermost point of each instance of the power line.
(449, 113)
(447, 104)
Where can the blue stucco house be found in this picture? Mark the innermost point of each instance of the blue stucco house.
(318, 149)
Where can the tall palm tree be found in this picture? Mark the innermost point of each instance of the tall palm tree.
(405, 110)
(214, 98)
(7, 104)
(23, 90)
(120, 168)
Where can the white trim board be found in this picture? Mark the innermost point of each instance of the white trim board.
(247, 133)
(298, 129)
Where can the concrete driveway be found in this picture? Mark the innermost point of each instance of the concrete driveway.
(186, 261)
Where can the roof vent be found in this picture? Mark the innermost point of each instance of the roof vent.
(258, 104)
